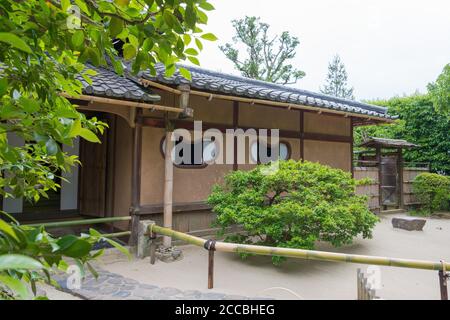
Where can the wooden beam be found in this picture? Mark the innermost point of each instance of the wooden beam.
(189, 125)
(136, 177)
(124, 103)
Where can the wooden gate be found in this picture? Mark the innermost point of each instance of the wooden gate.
(389, 176)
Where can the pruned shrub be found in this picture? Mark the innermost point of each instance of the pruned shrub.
(433, 191)
(293, 206)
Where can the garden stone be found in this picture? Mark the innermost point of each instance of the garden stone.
(409, 223)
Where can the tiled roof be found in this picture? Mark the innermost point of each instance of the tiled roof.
(222, 83)
(384, 142)
(107, 83)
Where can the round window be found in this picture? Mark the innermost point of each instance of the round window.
(283, 151)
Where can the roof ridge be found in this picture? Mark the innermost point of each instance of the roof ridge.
(282, 87)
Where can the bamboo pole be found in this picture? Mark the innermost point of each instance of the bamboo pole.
(263, 102)
(168, 185)
(306, 254)
(117, 234)
(78, 222)
(124, 103)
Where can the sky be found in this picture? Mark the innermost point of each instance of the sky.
(389, 47)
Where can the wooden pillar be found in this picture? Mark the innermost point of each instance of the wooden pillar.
(168, 182)
(378, 157)
(136, 177)
(401, 201)
(302, 135)
(352, 165)
(235, 126)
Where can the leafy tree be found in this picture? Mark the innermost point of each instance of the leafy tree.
(336, 82)
(419, 122)
(44, 45)
(297, 205)
(440, 91)
(267, 57)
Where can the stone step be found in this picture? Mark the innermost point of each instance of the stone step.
(393, 211)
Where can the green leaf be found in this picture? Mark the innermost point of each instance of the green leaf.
(77, 249)
(190, 16)
(119, 247)
(14, 41)
(185, 73)
(17, 286)
(51, 146)
(75, 129)
(89, 135)
(129, 51)
(18, 261)
(206, 6)
(29, 105)
(3, 86)
(78, 38)
(194, 60)
(199, 44)
(7, 229)
(116, 26)
(82, 5)
(122, 3)
(187, 39)
(209, 37)
(191, 52)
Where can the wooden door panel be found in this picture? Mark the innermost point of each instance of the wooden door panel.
(92, 193)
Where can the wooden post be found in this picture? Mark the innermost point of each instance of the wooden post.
(380, 189)
(235, 126)
(352, 166)
(210, 245)
(168, 182)
(136, 178)
(152, 247)
(302, 135)
(210, 269)
(400, 179)
(443, 285)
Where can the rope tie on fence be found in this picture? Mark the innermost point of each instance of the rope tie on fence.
(210, 245)
(152, 234)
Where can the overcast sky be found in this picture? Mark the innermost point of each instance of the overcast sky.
(389, 47)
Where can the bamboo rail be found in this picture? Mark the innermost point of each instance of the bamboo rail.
(305, 254)
(78, 222)
(212, 245)
(289, 106)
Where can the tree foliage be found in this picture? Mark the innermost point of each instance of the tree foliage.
(440, 91)
(44, 46)
(267, 57)
(336, 82)
(420, 123)
(293, 207)
(433, 190)
(28, 255)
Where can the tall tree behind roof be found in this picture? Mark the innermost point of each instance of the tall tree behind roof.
(267, 57)
(336, 83)
(440, 91)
